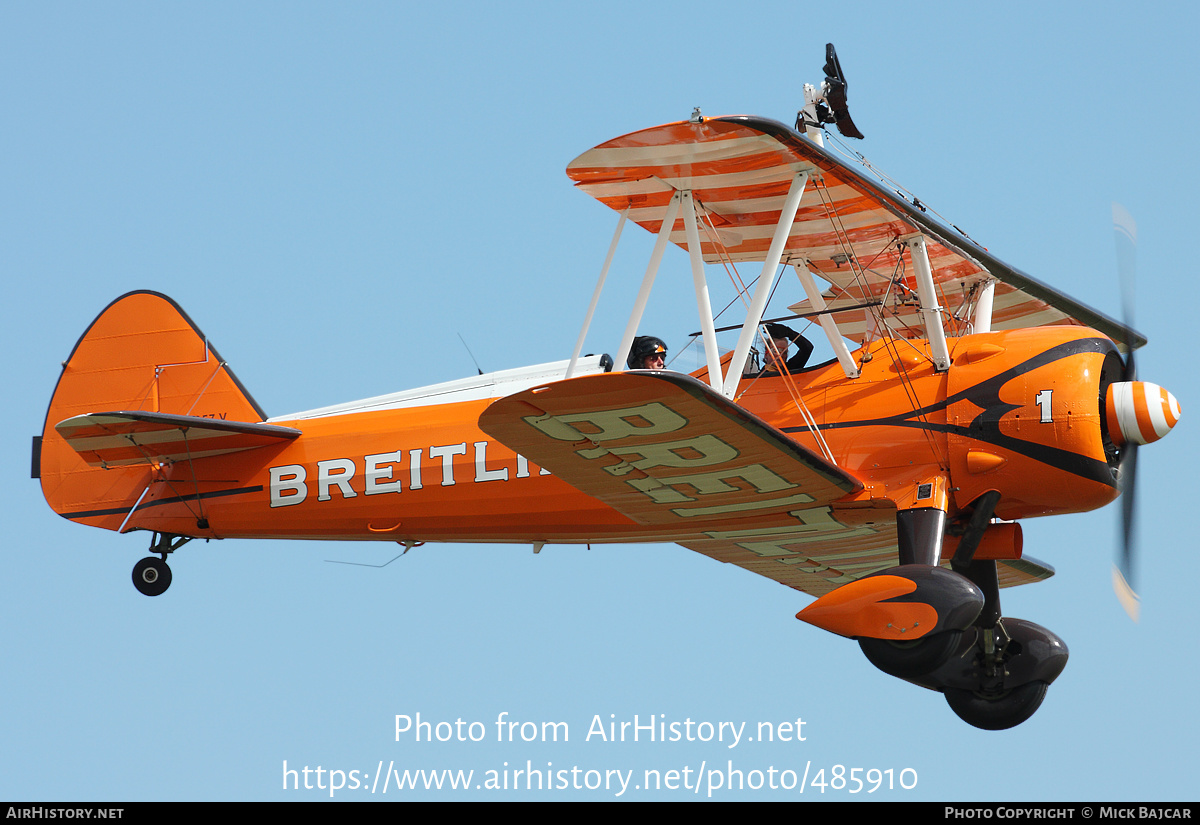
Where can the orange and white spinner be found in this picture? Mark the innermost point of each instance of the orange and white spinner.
(1139, 412)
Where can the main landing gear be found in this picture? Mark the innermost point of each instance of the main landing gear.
(995, 672)
(998, 675)
(1001, 676)
(909, 660)
(152, 576)
(942, 629)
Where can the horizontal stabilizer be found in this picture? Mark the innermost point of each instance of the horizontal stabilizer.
(114, 439)
(664, 449)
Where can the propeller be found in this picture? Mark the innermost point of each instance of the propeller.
(1137, 413)
(1125, 236)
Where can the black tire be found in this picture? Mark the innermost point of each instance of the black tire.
(1001, 712)
(151, 576)
(909, 660)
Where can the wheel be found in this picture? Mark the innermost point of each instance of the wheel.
(1001, 712)
(151, 576)
(908, 660)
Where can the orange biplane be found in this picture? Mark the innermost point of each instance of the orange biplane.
(886, 482)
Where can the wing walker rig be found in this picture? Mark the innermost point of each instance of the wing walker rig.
(887, 482)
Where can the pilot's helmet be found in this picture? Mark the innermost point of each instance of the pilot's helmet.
(644, 345)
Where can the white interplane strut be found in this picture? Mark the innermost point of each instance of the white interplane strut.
(766, 280)
(639, 306)
(587, 321)
(827, 322)
(931, 311)
(983, 306)
(703, 307)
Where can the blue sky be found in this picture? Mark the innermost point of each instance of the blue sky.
(335, 192)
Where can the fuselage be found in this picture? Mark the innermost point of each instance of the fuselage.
(1019, 412)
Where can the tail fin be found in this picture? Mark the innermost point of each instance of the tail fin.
(141, 354)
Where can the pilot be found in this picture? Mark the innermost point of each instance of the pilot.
(647, 353)
(779, 340)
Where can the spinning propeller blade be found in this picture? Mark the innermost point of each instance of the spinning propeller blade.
(1125, 234)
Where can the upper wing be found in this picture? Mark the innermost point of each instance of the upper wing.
(114, 439)
(739, 170)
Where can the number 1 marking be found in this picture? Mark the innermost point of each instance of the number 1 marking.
(1043, 401)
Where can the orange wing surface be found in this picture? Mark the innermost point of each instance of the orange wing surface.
(666, 450)
(848, 227)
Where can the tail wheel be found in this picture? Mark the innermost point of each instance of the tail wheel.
(997, 712)
(151, 576)
(907, 660)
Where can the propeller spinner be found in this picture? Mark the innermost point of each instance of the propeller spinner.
(1139, 412)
